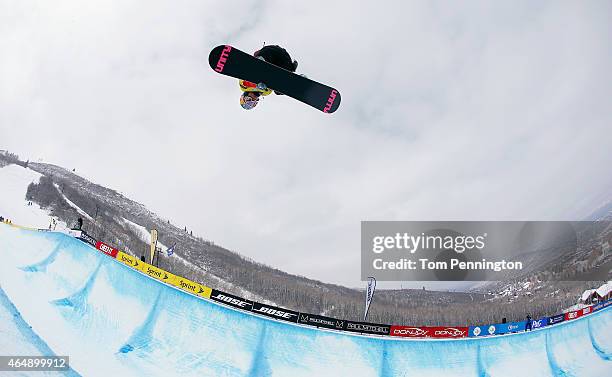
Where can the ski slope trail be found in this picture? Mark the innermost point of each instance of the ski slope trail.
(113, 320)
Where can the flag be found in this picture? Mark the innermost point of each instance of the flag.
(170, 250)
(369, 295)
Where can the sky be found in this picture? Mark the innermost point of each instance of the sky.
(471, 111)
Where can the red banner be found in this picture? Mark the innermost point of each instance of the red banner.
(573, 315)
(448, 332)
(108, 250)
(587, 310)
(409, 332)
(429, 332)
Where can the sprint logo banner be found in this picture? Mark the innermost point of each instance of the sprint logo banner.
(191, 286)
(130, 260)
(158, 273)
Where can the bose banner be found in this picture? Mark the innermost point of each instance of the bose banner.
(276, 313)
(320, 321)
(367, 328)
(231, 300)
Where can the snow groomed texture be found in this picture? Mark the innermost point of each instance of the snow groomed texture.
(111, 318)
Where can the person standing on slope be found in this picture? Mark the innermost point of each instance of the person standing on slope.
(528, 323)
(272, 54)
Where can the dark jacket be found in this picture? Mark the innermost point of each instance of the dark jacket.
(278, 56)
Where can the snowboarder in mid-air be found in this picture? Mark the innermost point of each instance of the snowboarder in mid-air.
(272, 54)
(271, 69)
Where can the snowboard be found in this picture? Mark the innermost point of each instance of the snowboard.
(230, 61)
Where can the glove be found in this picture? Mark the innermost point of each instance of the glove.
(261, 86)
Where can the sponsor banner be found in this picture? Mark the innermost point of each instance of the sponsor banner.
(483, 330)
(587, 310)
(607, 303)
(556, 319)
(274, 312)
(191, 286)
(108, 250)
(231, 300)
(573, 315)
(43, 230)
(537, 323)
(598, 306)
(409, 331)
(158, 273)
(87, 239)
(511, 327)
(320, 321)
(130, 260)
(448, 332)
(496, 328)
(367, 328)
(430, 332)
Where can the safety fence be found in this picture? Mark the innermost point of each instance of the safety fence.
(319, 321)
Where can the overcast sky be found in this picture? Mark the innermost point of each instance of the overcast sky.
(450, 111)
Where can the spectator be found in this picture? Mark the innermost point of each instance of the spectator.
(528, 324)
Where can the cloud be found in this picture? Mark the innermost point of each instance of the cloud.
(478, 111)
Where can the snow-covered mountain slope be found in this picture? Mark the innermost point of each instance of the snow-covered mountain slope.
(14, 181)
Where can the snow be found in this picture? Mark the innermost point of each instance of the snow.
(143, 233)
(71, 204)
(112, 320)
(604, 289)
(14, 181)
(586, 294)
